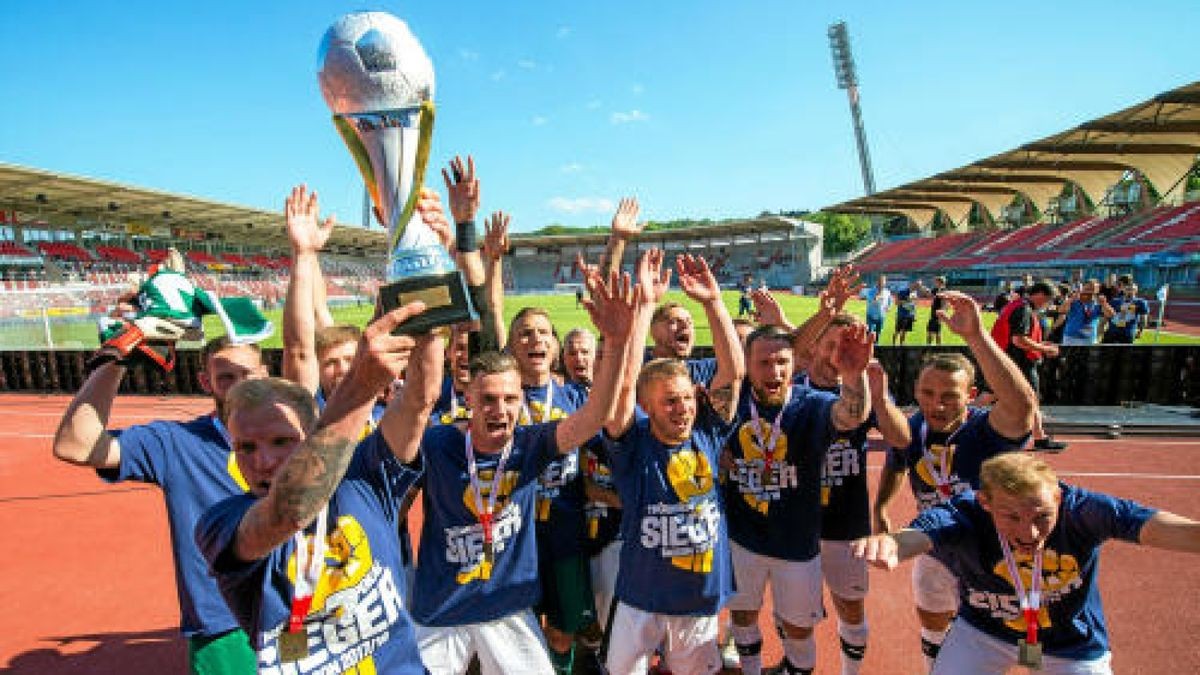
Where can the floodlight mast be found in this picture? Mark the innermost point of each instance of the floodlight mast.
(847, 78)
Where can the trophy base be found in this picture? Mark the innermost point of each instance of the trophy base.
(445, 297)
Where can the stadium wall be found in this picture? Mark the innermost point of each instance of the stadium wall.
(1103, 375)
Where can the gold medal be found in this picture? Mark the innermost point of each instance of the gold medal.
(1029, 655)
(293, 646)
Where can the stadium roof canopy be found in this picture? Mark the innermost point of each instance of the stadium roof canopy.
(752, 227)
(74, 202)
(1159, 138)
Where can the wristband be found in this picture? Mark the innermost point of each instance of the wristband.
(464, 237)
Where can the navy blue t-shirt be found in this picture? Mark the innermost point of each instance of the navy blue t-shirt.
(1071, 622)
(675, 551)
(779, 515)
(602, 521)
(560, 496)
(451, 406)
(702, 371)
(454, 584)
(1123, 325)
(845, 498)
(194, 465)
(358, 617)
(965, 450)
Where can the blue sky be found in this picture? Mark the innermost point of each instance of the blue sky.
(701, 109)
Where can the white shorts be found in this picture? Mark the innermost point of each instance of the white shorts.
(935, 588)
(507, 645)
(795, 586)
(689, 642)
(605, 565)
(970, 650)
(845, 575)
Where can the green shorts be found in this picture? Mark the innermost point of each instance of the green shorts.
(225, 654)
(567, 600)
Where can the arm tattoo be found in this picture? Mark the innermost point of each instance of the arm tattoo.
(310, 476)
(848, 411)
(721, 400)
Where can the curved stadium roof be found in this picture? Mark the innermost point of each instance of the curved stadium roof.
(1159, 137)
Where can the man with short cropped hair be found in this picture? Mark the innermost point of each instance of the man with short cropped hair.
(1129, 320)
(950, 440)
(478, 575)
(333, 598)
(579, 356)
(1025, 549)
(192, 462)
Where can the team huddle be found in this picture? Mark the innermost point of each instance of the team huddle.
(615, 504)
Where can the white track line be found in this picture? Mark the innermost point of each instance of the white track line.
(1140, 476)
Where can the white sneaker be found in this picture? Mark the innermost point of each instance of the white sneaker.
(729, 655)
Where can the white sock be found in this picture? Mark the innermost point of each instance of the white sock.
(854, 643)
(931, 642)
(749, 645)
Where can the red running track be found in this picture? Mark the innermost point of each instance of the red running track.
(88, 583)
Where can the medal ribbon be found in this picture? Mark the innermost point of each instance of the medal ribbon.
(940, 471)
(767, 445)
(485, 515)
(1031, 602)
(310, 561)
(220, 427)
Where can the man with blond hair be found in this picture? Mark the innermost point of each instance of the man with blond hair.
(1025, 549)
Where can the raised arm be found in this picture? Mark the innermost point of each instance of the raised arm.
(1012, 416)
(854, 349)
(698, 282)
(613, 307)
(495, 246)
(653, 278)
(307, 235)
(767, 308)
(404, 422)
(1172, 532)
(625, 226)
(891, 420)
(82, 437)
(887, 551)
(306, 481)
(843, 285)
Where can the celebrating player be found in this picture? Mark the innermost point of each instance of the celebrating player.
(950, 440)
(477, 573)
(773, 494)
(1026, 551)
(332, 597)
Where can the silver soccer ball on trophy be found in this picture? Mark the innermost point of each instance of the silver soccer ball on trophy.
(378, 82)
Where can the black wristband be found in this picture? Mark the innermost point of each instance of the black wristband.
(464, 237)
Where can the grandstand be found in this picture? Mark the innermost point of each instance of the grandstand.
(1110, 196)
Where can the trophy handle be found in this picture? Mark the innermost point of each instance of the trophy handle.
(422, 160)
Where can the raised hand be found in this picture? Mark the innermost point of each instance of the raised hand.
(463, 188)
(696, 280)
(495, 235)
(966, 320)
(624, 222)
(844, 284)
(305, 230)
(767, 308)
(429, 206)
(854, 349)
(654, 278)
(612, 304)
(381, 356)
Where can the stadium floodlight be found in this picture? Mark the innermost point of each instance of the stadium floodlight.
(847, 78)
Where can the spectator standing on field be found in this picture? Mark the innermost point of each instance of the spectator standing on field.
(933, 329)
(1019, 333)
(906, 311)
(1128, 321)
(879, 301)
(1082, 313)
